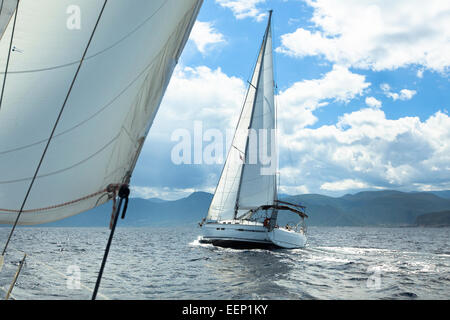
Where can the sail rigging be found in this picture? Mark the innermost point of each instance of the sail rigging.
(109, 111)
(246, 181)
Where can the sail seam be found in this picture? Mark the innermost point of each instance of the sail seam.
(58, 205)
(94, 55)
(68, 168)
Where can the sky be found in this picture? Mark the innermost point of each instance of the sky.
(362, 96)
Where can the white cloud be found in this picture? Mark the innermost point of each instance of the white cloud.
(372, 102)
(164, 193)
(203, 34)
(419, 73)
(298, 102)
(244, 8)
(405, 94)
(200, 93)
(294, 190)
(215, 98)
(364, 149)
(194, 94)
(376, 34)
(347, 184)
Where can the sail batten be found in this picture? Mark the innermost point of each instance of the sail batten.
(109, 112)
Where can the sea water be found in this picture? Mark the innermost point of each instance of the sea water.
(170, 263)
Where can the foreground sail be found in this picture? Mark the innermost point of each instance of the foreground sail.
(109, 111)
(244, 209)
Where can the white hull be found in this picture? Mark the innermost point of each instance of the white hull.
(235, 233)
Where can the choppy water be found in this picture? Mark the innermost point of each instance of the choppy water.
(163, 263)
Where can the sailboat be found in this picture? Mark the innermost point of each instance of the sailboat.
(81, 82)
(245, 207)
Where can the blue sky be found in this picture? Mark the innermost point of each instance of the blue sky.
(362, 95)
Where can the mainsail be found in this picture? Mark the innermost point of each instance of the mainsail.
(248, 180)
(110, 109)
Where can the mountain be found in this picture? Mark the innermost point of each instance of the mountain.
(369, 208)
(156, 200)
(142, 213)
(393, 208)
(434, 219)
(443, 194)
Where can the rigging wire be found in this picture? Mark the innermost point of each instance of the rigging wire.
(9, 52)
(274, 69)
(277, 104)
(276, 107)
(54, 128)
(124, 193)
(70, 167)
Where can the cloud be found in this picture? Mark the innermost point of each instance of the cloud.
(302, 98)
(347, 184)
(372, 102)
(405, 94)
(364, 149)
(377, 35)
(211, 96)
(244, 8)
(419, 73)
(197, 94)
(204, 35)
(164, 193)
(193, 95)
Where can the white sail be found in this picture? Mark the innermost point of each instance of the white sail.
(111, 107)
(258, 182)
(243, 183)
(7, 9)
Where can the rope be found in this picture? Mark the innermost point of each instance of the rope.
(9, 52)
(124, 193)
(54, 128)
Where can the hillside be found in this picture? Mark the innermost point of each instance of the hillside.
(142, 213)
(371, 208)
(434, 219)
(393, 208)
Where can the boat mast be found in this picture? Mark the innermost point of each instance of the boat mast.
(262, 51)
(274, 215)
